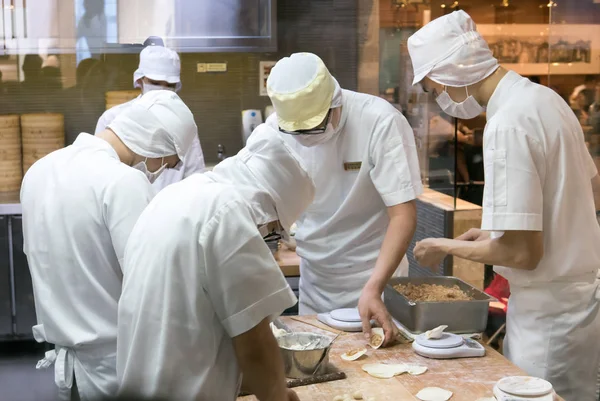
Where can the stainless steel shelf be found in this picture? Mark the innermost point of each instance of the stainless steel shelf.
(8, 209)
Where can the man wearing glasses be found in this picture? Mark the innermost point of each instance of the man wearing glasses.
(360, 152)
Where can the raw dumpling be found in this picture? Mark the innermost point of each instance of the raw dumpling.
(435, 333)
(377, 337)
(354, 354)
(434, 394)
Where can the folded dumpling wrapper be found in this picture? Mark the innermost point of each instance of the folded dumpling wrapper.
(435, 333)
(434, 394)
(377, 337)
(354, 354)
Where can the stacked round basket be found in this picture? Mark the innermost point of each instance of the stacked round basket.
(24, 140)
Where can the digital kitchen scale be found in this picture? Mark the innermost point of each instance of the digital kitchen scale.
(347, 319)
(523, 388)
(448, 346)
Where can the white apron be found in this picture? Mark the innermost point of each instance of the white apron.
(552, 332)
(325, 289)
(94, 367)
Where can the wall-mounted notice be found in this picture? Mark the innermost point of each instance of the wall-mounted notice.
(264, 71)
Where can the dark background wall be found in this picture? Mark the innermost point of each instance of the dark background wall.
(325, 27)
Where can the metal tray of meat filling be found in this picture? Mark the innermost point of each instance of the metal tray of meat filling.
(460, 316)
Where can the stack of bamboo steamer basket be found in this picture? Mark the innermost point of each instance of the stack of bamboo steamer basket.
(11, 173)
(115, 98)
(41, 134)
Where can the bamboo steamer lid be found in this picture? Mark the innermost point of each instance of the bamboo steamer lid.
(11, 173)
(41, 134)
(115, 98)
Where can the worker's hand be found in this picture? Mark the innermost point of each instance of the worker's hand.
(292, 396)
(474, 234)
(429, 253)
(371, 307)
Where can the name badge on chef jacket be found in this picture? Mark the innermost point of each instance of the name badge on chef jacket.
(352, 166)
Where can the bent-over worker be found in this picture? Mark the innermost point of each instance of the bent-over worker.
(538, 226)
(201, 284)
(360, 152)
(160, 69)
(80, 204)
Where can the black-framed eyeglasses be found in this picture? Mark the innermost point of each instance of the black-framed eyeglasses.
(312, 131)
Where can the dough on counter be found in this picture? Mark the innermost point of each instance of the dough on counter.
(357, 395)
(416, 370)
(384, 371)
(434, 394)
(338, 398)
(354, 354)
(377, 337)
(436, 333)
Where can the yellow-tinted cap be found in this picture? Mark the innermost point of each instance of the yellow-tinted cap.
(301, 89)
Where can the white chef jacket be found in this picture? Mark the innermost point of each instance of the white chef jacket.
(197, 274)
(538, 178)
(80, 204)
(538, 175)
(341, 233)
(192, 163)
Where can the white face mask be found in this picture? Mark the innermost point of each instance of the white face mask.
(152, 176)
(151, 87)
(317, 139)
(466, 110)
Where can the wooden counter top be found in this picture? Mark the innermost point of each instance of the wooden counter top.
(446, 202)
(469, 379)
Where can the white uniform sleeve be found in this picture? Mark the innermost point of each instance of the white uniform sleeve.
(124, 201)
(393, 153)
(102, 123)
(243, 280)
(194, 160)
(514, 165)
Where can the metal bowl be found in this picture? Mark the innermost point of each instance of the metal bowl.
(300, 364)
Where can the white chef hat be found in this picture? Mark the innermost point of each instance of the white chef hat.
(451, 52)
(271, 177)
(302, 91)
(158, 63)
(157, 124)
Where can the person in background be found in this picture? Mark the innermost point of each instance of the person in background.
(581, 109)
(541, 191)
(196, 305)
(361, 153)
(159, 69)
(81, 108)
(80, 204)
(587, 88)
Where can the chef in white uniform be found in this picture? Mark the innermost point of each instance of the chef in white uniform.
(361, 153)
(538, 227)
(79, 206)
(159, 69)
(201, 285)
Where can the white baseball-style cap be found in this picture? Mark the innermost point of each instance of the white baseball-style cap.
(451, 52)
(158, 63)
(158, 124)
(302, 91)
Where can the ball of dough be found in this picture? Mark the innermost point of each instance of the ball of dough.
(338, 398)
(357, 395)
